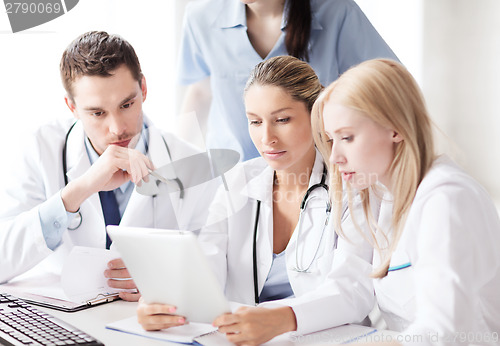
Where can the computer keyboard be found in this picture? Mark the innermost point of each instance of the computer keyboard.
(23, 324)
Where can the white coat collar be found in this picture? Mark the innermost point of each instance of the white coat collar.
(77, 159)
(157, 151)
(261, 187)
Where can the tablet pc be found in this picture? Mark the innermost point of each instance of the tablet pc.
(169, 267)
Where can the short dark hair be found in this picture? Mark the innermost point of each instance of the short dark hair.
(96, 53)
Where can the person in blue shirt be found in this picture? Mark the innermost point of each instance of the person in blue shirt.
(223, 40)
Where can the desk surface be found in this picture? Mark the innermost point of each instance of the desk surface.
(94, 320)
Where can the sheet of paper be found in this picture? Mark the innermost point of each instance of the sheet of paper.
(183, 334)
(82, 277)
(43, 284)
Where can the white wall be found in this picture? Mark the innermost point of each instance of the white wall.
(461, 80)
(400, 24)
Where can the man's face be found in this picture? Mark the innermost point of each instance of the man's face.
(110, 108)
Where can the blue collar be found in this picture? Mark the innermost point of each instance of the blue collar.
(234, 15)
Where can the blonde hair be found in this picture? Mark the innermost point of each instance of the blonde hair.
(386, 93)
(294, 76)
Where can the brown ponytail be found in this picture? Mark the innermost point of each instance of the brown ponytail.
(298, 28)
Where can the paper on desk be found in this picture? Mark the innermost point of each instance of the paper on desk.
(82, 277)
(202, 333)
(183, 334)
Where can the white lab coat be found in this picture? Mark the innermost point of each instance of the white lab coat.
(39, 177)
(328, 296)
(451, 291)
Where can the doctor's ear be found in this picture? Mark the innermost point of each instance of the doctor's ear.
(71, 105)
(396, 137)
(144, 88)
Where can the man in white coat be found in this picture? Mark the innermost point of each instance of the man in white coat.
(57, 198)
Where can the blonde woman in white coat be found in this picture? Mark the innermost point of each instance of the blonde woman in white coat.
(292, 267)
(437, 268)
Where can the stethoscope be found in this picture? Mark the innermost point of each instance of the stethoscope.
(303, 205)
(78, 219)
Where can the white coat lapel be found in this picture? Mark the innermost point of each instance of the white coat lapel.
(78, 161)
(91, 232)
(160, 156)
(139, 211)
(157, 151)
(307, 225)
(261, 188)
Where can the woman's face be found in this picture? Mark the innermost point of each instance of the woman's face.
(362, 149)
(280, 127)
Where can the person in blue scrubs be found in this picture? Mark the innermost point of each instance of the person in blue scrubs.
(223, 40)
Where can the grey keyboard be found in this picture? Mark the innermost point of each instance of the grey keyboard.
(23, 324)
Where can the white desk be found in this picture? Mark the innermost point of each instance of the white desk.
(93, 321)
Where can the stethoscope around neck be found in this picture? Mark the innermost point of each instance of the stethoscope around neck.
(78, 219)
(303, 205)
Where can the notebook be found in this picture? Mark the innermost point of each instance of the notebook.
(186, 334)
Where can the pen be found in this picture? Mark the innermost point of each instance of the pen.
(161, 178)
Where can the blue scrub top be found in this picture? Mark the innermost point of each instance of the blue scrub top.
(215, 43)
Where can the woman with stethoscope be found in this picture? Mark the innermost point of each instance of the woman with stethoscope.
(270, 236)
